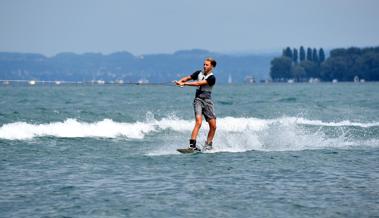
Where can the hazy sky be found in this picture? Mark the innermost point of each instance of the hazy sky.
(164, 26)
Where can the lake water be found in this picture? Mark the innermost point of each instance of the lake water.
(281, 150)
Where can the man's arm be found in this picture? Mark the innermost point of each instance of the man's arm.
(185, 79)
(183, 82)
(196, 83)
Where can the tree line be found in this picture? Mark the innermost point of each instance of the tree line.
(342, 64)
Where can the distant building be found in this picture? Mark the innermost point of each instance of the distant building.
(143, 81)
(265, 81)
(249, 79)
(314, 80)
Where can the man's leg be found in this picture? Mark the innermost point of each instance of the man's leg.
(212, 130)
(196, 129)
(198, 107)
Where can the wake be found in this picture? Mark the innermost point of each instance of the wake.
(234, 134)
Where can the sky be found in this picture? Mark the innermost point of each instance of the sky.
(165, 26)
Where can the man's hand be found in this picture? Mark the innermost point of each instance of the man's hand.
(179, 83)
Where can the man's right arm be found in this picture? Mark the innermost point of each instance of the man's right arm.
(182, 81)
(185, 79)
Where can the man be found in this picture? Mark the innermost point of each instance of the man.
(203, 104)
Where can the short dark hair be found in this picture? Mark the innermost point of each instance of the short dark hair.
(213, 61)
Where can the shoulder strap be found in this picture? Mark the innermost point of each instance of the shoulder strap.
(207, 76)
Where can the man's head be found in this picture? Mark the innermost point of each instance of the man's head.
(209, 64)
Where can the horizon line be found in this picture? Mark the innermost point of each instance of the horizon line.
(268, 51)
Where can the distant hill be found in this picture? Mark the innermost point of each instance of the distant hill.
(129, 68)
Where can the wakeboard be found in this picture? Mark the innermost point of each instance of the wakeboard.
(188, 151)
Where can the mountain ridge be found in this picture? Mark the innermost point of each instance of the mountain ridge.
(125, 66)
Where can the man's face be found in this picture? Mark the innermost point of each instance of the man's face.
(207, 66)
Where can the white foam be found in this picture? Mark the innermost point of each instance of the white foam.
(287, 134)
(234, 134)
(281, 134)
(346, 123)
(71, 128)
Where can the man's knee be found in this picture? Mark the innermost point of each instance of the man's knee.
(198, 121)
(212, 124)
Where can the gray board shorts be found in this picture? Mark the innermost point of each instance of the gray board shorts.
(204, 107)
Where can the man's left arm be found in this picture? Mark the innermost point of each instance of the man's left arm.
(196, 83)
